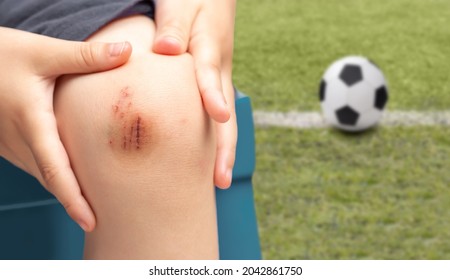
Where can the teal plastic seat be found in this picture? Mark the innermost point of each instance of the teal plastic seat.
(238, 227)
(33, 225)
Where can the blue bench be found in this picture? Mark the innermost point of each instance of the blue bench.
(33, 225)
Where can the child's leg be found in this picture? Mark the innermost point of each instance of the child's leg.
(143, 150)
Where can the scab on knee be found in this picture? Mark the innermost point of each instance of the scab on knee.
(130, 129)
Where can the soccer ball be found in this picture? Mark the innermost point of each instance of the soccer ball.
(353, 94)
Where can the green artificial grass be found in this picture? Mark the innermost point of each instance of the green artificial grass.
(322, 194)
(283, 47)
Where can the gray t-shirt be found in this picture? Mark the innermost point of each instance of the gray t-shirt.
(68, 19)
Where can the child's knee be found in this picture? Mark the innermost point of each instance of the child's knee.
(159, 108)
(147, 113)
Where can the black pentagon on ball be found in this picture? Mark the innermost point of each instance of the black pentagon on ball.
(351, 74)
(322, 89)
(381, 97)
(346, 115)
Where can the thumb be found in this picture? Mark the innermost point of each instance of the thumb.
(173, 20)
(67, 57)
(55, 172)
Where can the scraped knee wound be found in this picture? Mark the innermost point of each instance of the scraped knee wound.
(130, 129)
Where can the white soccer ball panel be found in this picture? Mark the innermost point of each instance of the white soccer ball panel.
(369, 119)
(335, 94)
(373, 75)
(361, 97)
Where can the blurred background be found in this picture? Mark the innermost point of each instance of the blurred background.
(323, 194)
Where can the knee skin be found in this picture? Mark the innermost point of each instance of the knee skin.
(143, 150)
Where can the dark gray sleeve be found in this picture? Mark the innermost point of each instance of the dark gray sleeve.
(68, 19)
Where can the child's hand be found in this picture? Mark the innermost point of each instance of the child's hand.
(205, 28)
(29, 136)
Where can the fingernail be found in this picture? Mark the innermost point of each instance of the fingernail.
(116, 49)
(172, 40)
(229, 175)
(83, 225)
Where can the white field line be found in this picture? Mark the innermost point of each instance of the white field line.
(303, 120)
